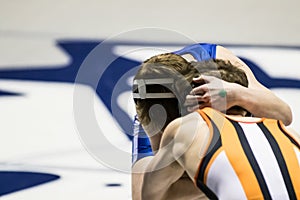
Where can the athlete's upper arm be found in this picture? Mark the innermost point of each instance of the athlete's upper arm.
(137, 177)
(259, 100)
(190, 143)
(160, 175)
(162, 171)
(226, 54)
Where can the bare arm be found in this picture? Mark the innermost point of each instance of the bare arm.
(162, 170)
(166, 175)
(140, 167)
(155, 173)
(170, 186)
(257, 99)
(263, 104)
(137, 177)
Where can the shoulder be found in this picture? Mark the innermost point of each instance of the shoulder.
(182, 122)
(191, 125)
(222, 52)
(226, 54)
(190, 138)
(183, 129)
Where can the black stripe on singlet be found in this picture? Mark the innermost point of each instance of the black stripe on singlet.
(288, 135)
(215, 144)
(251, 158)
(280, 160)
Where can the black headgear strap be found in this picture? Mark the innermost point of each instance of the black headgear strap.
(142, 90)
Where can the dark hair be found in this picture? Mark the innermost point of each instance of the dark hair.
(222, 69)
(166, 65)
(173, 66)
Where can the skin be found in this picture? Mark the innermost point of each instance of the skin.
(169, 168)
(261, 104)
(182, 147)
(183, 183)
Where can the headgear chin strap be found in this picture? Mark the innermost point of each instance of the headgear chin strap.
(142, 89)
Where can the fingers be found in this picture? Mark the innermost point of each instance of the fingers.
(192, 100)
(201, 84)
(200, 90)
(203, 79)
(208, 83)
(193, 108)
(195, 102)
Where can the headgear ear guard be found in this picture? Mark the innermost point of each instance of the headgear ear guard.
(140, 91)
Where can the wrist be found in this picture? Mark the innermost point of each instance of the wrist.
(244, 98)
(235, 95)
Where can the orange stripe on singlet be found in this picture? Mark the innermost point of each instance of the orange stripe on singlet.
(235, 155)
(288, 152)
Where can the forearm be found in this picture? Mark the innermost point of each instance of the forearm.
(262, 103)
(257, 99)
(187, 189)
(158, 180)
(136, 182)
(137, 177)
(153, 175)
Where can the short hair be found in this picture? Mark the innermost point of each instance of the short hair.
(222, 69)
(171, 66)
(175, 67)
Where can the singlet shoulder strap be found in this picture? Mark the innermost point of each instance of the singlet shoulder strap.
(211, 114)
(213, 145)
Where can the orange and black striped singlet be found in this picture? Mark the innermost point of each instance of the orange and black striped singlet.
(249, 160)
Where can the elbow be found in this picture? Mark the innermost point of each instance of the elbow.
(288, 118)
